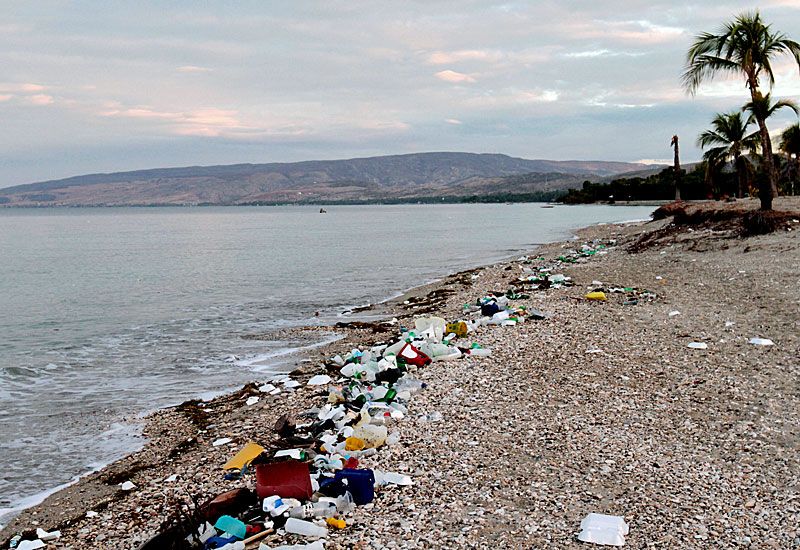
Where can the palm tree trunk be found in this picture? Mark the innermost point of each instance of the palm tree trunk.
(677, 169)
(767, 189)
(741, 175)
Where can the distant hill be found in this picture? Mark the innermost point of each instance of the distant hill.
(394, 177)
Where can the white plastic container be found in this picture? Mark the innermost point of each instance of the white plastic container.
(305, 528)
(603, 529)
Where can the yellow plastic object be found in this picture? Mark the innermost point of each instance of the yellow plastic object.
(353, 444)
(459, 328)
(244, 457)
(599, 296)
(336, 522)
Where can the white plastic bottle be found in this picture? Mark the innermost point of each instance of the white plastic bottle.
(305, 528)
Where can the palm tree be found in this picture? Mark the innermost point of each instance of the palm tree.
(764, 108)
(728, 135)
(746, 47)
(790, 145)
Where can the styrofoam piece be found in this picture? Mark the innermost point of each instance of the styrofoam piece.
(603, 529)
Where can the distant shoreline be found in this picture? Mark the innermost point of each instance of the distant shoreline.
(421, 202)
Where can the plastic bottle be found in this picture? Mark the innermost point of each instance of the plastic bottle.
(314, 510)
(305, 528)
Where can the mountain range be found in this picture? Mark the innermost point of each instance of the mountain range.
(373, 179)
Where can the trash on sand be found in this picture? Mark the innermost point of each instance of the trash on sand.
(319, 380)
(289, 479)
(761, 342)
(305, 528)
(316, 545)
(244, 457)
(603, 529)
(30, 545)
(251, 400)
(231, 525)
(45, 536)
(674, 313)
(697, 345)
(597, 296)
(317, 474)
(127, 486)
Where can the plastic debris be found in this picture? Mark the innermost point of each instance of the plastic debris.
(603, 529)
(305, 528)
(697, 345)
(316, 545)
(674, 313)
(45, 536)
(244, 457)
(30, 545)
(127, 486)
(761, 342)
(319, 380)
(235, 527)
(596, 296)
(317, 476)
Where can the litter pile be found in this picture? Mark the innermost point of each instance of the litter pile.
(325, 463)
(320, 476)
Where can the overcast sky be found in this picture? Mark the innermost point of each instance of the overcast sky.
(108, 86)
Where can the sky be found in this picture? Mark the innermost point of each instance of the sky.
(109, 86)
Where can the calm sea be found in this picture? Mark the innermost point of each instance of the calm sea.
(108, 313)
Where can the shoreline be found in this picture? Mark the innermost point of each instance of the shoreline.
(356, 314)
(185, 416)
(347, 314)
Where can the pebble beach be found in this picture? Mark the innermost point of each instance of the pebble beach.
(600, 407)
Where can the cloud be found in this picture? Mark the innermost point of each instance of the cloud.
(446, 58)
(40, 99)
(452, 76)
(200, 122)
(21, 87)
(602, 53)
(511, 98)
(454, 121)
(193, 69)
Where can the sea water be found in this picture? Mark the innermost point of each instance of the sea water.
(106, 313)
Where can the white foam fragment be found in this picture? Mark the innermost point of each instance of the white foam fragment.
(697, 345)
(293, 453)
(266, 388)
(127, 486)
(251, 400)
(761, 342)
(603, 529)
(319, 380)
(45, 536)
(221, 441)
(674, 313)
(30, 545)
(291, 384)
